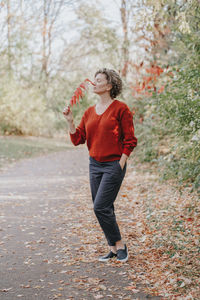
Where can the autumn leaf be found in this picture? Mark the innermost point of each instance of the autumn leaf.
(98, 296)
(161, 89)
(6, 290)
(79, 92)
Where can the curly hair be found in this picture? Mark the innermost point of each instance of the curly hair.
(114, 79)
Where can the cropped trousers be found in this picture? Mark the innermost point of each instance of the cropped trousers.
(105, 181)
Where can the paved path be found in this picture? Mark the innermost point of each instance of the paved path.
(49, 237)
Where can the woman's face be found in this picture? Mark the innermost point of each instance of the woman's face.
(101, 84)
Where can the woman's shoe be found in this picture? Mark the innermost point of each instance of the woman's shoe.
(122, 254)
(108, 256)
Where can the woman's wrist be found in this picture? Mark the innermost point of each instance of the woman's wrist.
(72, 128)
(71, 122)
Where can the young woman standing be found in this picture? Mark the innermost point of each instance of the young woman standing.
(108, 129)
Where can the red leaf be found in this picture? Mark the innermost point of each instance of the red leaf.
(73, 101)
(77, 95)
(190, 219)
(161, 89)
(82, 85)
(78, 92)
(89, 81)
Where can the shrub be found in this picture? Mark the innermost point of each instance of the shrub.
(23, 110)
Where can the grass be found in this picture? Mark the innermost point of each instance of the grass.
(13, 148)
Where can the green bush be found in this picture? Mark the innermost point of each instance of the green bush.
(179, 106)
(170, 132)
(23, 110)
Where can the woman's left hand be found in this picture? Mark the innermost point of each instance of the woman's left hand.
(121, 165)
(123, 160)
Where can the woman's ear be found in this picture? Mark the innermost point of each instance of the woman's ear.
(109, 87)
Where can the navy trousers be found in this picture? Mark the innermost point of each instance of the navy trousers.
(105, 181)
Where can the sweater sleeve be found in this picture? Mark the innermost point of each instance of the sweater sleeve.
(79, 137)
(129, 139)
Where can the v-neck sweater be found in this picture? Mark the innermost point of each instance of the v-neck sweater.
(109, 134)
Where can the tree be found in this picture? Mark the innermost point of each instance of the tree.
(175, 113)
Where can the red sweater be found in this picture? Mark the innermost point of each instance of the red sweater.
(108, 135)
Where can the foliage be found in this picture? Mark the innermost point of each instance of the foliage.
(170, 132)
(23, 110)
(99, 39)
(44, 77)
(157, 46)
(179, 107)
(179, 104)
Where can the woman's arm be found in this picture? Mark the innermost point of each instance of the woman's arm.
(129, 139)
(77, 135)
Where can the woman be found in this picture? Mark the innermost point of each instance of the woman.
(108, 129)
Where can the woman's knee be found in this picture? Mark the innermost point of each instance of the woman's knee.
(103, 211)
(97, 209)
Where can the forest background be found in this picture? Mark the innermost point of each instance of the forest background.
(49, 47)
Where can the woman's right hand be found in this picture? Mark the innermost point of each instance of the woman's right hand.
(68, 114)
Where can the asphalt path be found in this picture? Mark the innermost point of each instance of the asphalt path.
(49, 236)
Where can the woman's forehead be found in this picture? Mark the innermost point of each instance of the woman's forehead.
(101, 76)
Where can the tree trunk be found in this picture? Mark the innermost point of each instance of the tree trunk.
(125, 45)
(8, 36)
(44, 30)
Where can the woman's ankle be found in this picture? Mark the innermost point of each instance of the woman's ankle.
(113, 249)
(119, 245)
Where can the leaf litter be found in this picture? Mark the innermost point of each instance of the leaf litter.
(161, 227)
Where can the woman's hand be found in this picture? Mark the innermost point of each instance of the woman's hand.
(68, 114)
(69, 117)
(123, 160)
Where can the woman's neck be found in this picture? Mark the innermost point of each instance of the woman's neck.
(105, 99)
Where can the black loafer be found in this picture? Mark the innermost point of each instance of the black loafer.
(108, 256)
(122, 254)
